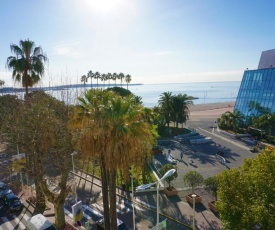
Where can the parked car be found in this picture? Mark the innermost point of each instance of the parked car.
(4, 190)
(12, 203)
(120, 224)
(39, 222)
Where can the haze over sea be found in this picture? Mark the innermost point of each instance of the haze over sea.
(207, 92)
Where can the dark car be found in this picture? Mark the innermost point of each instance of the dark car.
(4, 190)
(120, 224)
(12, 203)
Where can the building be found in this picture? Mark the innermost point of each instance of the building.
(256, 95)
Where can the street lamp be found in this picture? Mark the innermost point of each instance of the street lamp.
(194, 196)
(145, 186)
(72, 154)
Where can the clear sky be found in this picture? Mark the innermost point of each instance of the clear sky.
(155, 41)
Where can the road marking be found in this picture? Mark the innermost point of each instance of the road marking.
(226, 139)
(7, 224)
(20, 224)
(92, 211)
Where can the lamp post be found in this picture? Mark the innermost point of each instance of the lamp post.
(193, 196)
(145, 186)
(72, 154)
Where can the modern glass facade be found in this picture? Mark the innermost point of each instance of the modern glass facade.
(257, 92)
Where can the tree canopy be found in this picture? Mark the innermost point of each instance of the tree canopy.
(166, 168)
(112, 130)
(246, 195)
(193, 179)
(28, 63)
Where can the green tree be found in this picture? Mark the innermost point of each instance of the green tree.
(121, 77)
(2, 83)
(84, 79)
(211, 186)
(104, 78)
(128, 79)
(246, 195)
(91, 75)
(113, 131)
(97, 76)
(166, 168)
(193, 179)
(180, 108)
(42, 133)
(114, 77)
(28, 63)
(165, 103)
(109, 77)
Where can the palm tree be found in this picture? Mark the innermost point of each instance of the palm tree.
(180, 108)
(91, 75)
(2, 83)
(165, 104)
(114, 77)
(84, 79)
(104, 78)
(128, 79)
(121, 77)
(109, 76)
(28, 63)
(97, 76)
(113, 131)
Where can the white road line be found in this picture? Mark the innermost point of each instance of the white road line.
(92, 211)
(226, 139)
(6, 225)
(19, 221)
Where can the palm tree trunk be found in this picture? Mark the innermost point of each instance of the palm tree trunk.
(104, 183)
(112, 196)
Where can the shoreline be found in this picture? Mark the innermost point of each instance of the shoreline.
(211, 111)
(212, 106)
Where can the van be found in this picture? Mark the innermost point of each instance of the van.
(39, 222)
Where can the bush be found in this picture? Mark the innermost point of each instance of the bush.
(193, 179)
(166, 168)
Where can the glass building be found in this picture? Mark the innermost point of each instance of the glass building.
(257, 90)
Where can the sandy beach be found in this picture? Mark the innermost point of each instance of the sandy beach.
(209, 111)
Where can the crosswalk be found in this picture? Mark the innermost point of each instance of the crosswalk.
(95, 211)
(14, 222)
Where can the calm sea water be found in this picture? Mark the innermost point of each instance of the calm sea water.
(207, 92)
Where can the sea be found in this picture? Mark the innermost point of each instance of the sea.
(206, 92)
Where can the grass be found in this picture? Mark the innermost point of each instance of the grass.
(94, 169)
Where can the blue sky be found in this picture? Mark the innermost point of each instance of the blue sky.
(155, 41)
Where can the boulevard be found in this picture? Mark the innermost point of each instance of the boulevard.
(176, 210)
